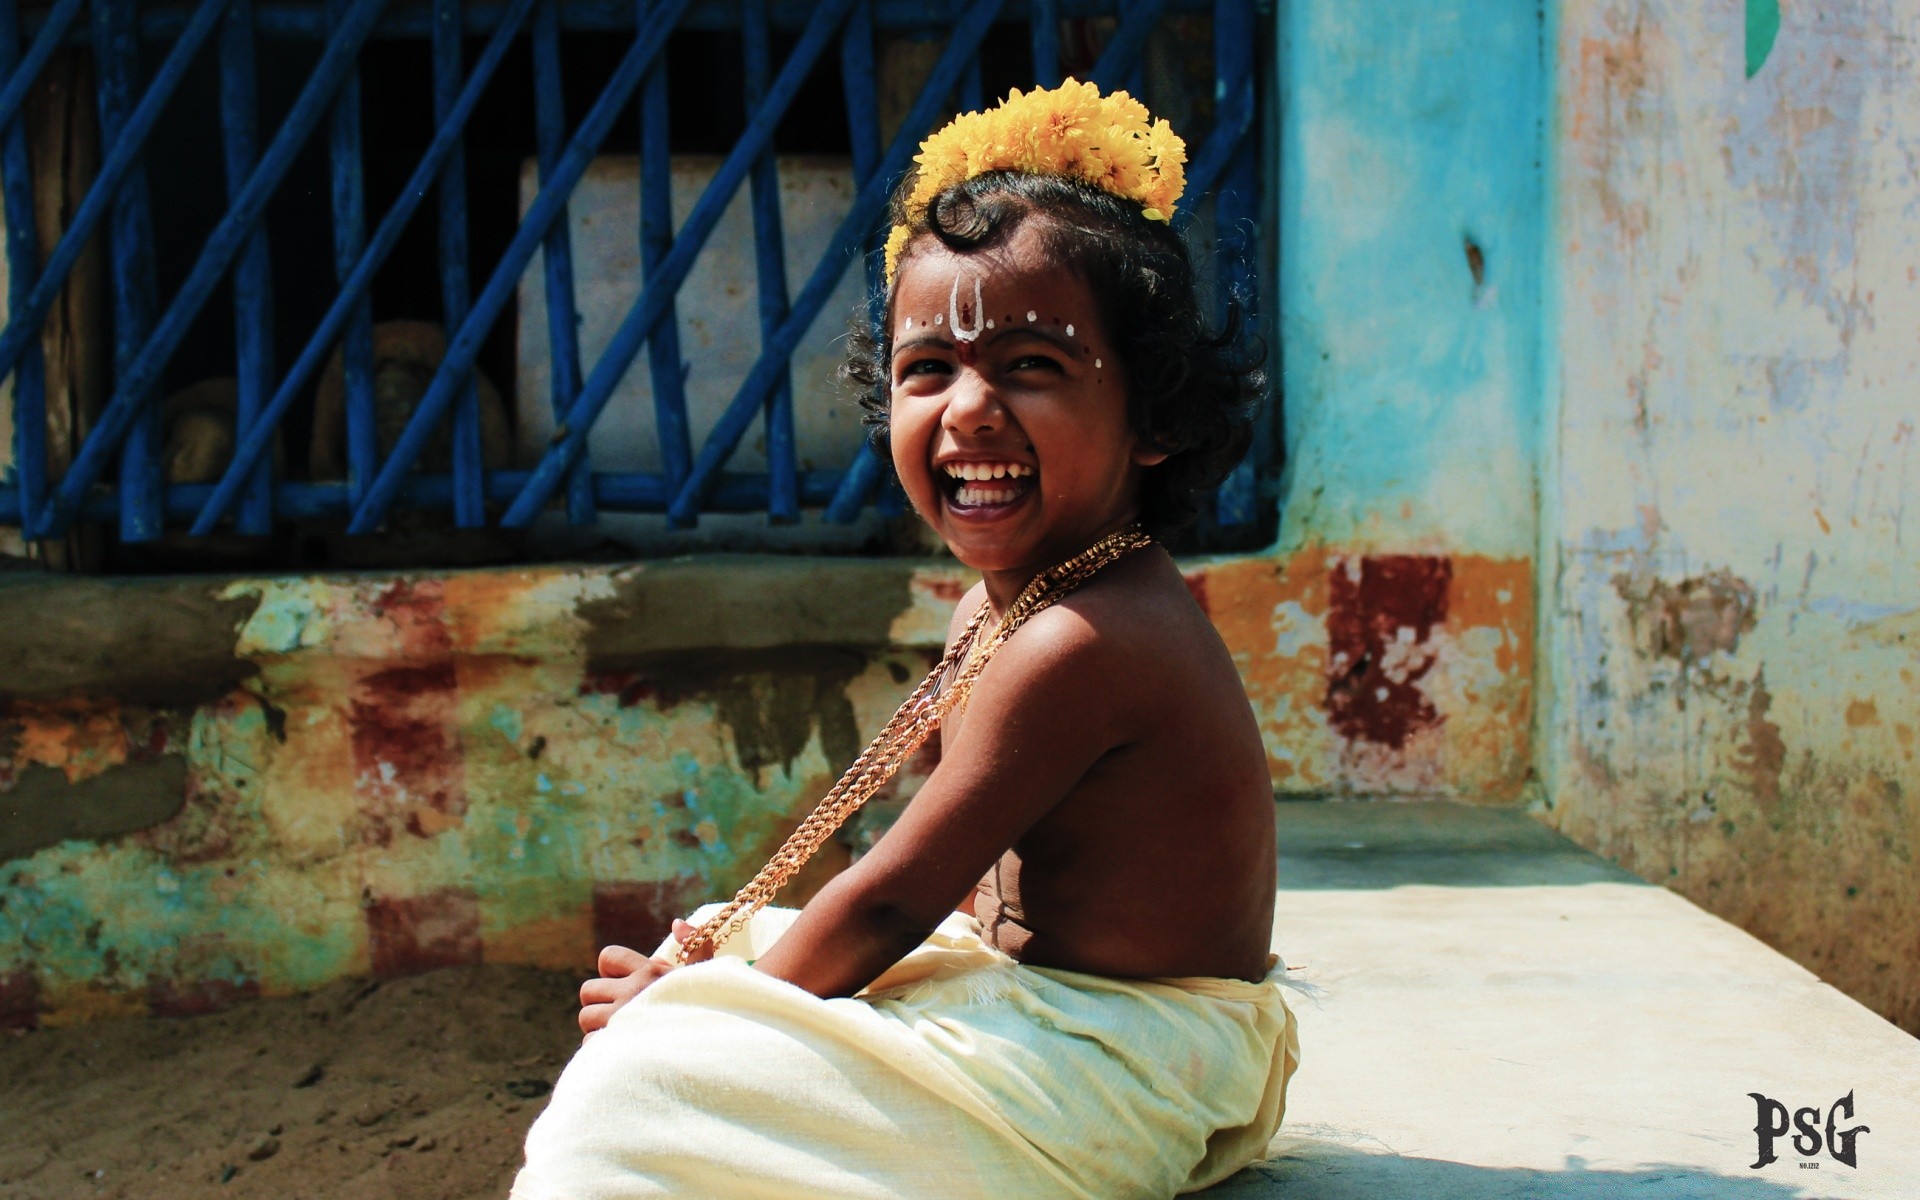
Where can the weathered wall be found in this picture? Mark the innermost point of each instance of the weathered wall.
(1410, 223)
(1732, 626)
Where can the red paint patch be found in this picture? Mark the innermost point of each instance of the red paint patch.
(1381, 615)
(194, 997)
(1197, 588)
(19, 999)
(410, 934)
(406, 747)
(640, 915)
(949, 590)
(417, 608)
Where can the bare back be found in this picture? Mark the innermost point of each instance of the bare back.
(1159, 860)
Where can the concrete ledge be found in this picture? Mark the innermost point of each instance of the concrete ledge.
(177, 639)
(1556, 1029)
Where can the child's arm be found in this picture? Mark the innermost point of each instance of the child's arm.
(1051, 703)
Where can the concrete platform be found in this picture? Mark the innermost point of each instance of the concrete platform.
(1502, 1014)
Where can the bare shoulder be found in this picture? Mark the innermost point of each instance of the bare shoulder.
(1112, 646)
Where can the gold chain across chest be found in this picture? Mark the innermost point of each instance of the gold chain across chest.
(945, 688)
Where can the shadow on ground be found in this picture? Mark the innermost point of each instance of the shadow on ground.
(1384, 844)
(1315, 1171)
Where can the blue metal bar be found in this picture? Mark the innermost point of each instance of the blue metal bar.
(1045, 15)
(863, 129)
(25, 319)
(252, 274)
(563, 318)
(972, 90)
(254, 444)
(651, 304)
(769, 245)
(220, 248)
(863, 125)
(349, 238)
(629, 492)
(863, 473)
(307, 19)
(30, 382)
(20, 77)
(656, 240)
(130, 236)
(1121, 59)
(867, 206)
(648, 308)
(1235, 209)
(469, 488)
(1233, 117)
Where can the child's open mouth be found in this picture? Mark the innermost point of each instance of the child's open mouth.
(985, 489)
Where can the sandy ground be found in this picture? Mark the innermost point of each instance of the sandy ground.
(415, 1089)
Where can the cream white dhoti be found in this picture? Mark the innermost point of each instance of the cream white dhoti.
(958, 1073)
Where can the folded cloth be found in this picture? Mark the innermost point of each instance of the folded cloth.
(958, 1073)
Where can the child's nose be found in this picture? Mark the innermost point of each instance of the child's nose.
(973, 406)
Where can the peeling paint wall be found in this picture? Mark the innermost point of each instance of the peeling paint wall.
(1733, 629)
(437, 769)
(1398, 654)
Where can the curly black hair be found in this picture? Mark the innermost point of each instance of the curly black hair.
(1193, 390)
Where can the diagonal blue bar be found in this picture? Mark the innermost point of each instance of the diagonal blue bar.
(252, 274)
(20, 77)
(255, 442)
(556, 253)
(346, 176)
(546, 207)
(116, 54)
(644, 316)
(664, 366)
(1121, 59)
(769, 245)
(220, 248)
(30, 383)
(469, 487)
(867, 206)
(24, 321)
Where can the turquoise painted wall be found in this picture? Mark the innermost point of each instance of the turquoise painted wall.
(1411, 216)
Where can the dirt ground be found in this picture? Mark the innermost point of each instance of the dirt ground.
(414, 1089)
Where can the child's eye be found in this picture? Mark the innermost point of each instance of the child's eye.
(1034, 362)
(926, 366)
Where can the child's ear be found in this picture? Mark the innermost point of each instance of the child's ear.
(1145, 455)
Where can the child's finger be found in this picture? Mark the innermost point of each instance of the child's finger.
(594, 1017)
(619, 960)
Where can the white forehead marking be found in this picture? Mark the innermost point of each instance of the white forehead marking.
(989, 322)
(936, 318)
(1032, 316)
(1096, 362)
(1069, 331)
(953, 309)
(909, 322)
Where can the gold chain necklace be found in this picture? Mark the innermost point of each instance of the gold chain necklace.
(945, 688)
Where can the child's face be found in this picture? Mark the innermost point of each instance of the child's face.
(1001, 370)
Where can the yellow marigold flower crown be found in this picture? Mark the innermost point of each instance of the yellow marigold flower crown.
(1110, 141)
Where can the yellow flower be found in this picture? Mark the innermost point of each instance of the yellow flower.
(1111, 142)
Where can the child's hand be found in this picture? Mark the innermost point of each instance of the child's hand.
(624, 974)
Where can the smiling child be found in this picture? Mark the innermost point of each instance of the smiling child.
(1051, 978)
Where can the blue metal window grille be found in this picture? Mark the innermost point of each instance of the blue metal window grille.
(115, 472)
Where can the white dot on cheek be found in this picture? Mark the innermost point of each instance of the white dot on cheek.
(1096, 364)
(1069, 331)
(989, 322)
(939, 319)
(1032, 316)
